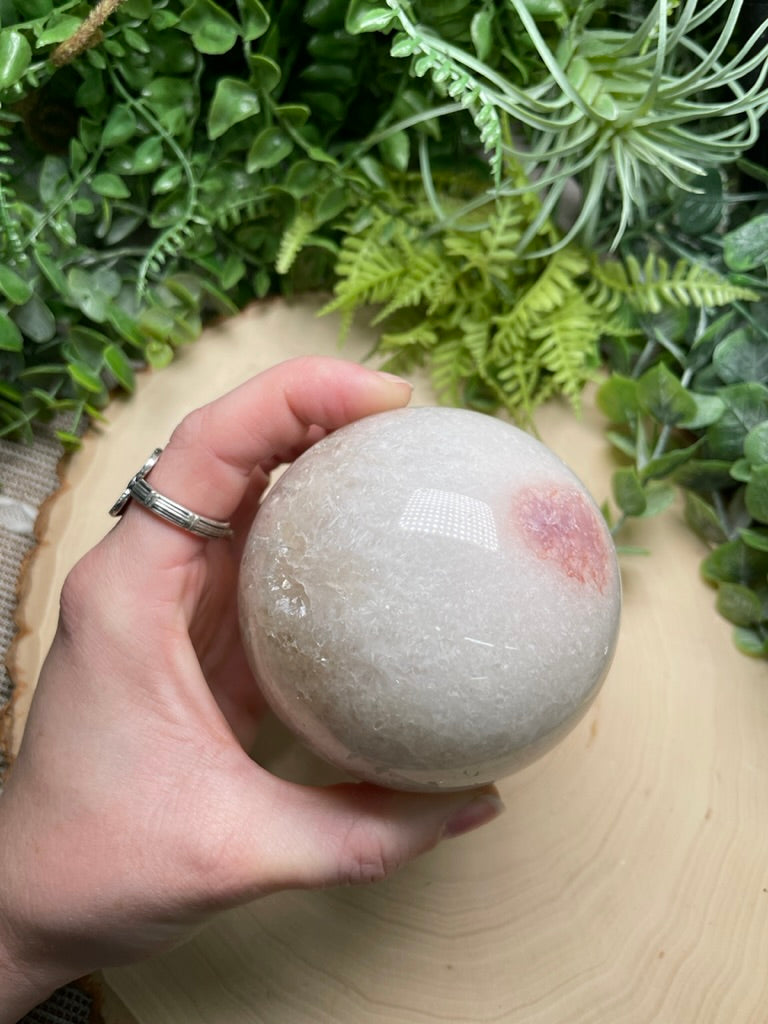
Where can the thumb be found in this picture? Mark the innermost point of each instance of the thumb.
(353, 832)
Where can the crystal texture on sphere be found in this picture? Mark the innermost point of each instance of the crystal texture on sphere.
(429, 598)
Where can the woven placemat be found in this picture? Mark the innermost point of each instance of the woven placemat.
(28, 476)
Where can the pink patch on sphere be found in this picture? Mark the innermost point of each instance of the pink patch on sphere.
(560, 526)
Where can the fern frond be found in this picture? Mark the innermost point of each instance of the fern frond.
(11, 243)
(369, 272)
(168, 246)
(568, 347)
(558, 280)
(518, 377)
(432, 57)
(653, 285)
(451, 365)
(293, 241)
(237, 211)
(493, 251)
(428, 280)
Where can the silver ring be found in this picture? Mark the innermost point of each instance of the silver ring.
(165, 508)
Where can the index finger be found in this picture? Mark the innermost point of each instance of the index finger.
(209, 461)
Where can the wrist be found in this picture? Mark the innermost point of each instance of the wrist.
(22, 987)
(25, 980)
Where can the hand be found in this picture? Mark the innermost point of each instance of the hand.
(133, 812)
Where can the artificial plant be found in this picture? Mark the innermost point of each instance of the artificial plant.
(497, 179)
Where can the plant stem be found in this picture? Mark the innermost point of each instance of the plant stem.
(87, 34)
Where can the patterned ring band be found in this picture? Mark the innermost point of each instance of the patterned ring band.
(171, 511)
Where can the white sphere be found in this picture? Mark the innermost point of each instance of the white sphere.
(429, 598)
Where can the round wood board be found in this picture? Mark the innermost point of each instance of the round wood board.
(628, 880)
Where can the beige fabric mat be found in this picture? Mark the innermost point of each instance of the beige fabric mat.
(28, 476)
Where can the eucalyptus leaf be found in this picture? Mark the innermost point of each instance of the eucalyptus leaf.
(751, 641)
(662, 395)
(11, 339)
(746, 247)
(746, 406)
(703, 519)
(756, 445)
(618, 398)
(628, 492)
(666, 463)
(757, 539)
(756, 494)
(15, 288)
(704, 475)
(741, 357)
(36, 319)
(735, 562)
(739, 604)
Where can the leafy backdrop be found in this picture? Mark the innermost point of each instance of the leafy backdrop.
(522, 192)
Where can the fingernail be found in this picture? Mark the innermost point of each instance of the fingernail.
(394, 379)
(477, 812)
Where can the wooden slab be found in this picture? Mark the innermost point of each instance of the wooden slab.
(628, 881)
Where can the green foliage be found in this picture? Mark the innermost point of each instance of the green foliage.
(690, 411)
(162, 162)
(495, 330)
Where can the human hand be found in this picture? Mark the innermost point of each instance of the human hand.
(133, 812)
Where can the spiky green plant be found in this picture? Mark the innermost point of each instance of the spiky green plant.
(620, 110)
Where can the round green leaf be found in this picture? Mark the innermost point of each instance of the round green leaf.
(36, 320)
(739, 604)
(756, 494)
(746, 247)
(741, 356)
(233, 101)
(628, 491)
(11, 339)
(110, 186)
(395, 150)
(213, 30)
(159, 354)
(751, 641)
(167, 180)
(664, 397)
(364, 16)
(617, 399)
(481, 30)
(268, 148)
(14, 287)
(701, 211)
(735, 562)
(119, 367)
(58, 28)
(757, 539)
(265, 73)
(15, 56)
(85, 378)
(301, 179)
(254, 18)
(756, 445)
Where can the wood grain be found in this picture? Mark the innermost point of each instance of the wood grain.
(627, 882)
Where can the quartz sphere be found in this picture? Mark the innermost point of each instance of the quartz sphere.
(429, 598)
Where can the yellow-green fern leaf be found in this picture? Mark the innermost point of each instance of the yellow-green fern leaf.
(293, 241)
